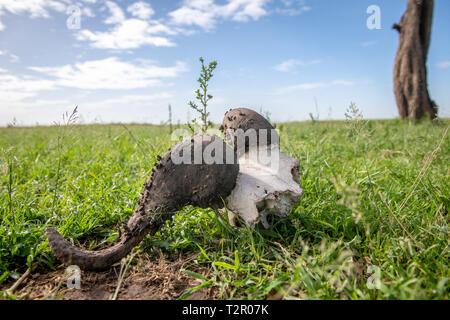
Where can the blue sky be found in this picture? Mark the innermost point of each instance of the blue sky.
(129, 59)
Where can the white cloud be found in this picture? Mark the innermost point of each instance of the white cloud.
(366, 44)
(88, 12)
(130, 34)
(293, 7)
(444, 64)
(43, 103)
(43, 87)
(293, 11)
(205, 13)
(20, 92)
(36, 8)
(127, 100)
(110, 73)
(303, 86)
(14, 58)
(42, 8)
(313, 85)
(9, 82)
(141, 10)
(243, 10)
(290, 64)
(202, 13)
(15, 88)
(139, 29)
(117, 14)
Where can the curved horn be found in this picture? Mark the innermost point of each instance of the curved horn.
(170, 187)
(138, 227)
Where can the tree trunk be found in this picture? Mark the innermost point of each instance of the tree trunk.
(410, 71)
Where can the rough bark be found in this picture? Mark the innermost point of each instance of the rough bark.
(169, 188)
(410, 72)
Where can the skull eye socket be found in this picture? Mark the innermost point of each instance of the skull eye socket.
(295, 171)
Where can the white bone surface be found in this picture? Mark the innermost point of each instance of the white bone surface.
(260, 190)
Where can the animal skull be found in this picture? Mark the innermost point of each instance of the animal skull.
(253, 186)
(262, 188)
(268, 180)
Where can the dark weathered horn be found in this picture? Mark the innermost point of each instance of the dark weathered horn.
(245, 119)
(170, 187)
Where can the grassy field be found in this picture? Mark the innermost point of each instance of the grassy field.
(372, 224)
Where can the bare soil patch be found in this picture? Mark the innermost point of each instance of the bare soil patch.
(148, 278)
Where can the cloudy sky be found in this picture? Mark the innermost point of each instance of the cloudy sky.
(125, 61)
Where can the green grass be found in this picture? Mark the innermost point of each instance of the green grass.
(376, 193)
